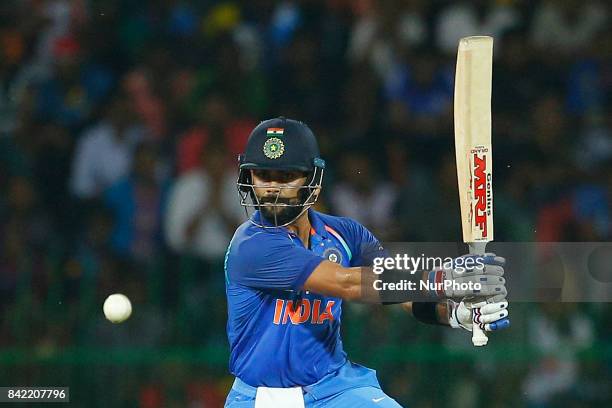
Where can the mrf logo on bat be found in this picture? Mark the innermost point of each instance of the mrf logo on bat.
(480, 183)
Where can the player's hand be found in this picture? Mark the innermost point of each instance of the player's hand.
(471, 275)
(491, 316)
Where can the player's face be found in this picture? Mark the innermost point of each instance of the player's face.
(279, 193)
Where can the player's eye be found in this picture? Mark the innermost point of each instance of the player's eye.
(291, 176)
(278, 176)
(264, 175)
(286, 177)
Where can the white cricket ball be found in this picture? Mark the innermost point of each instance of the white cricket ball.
(117, 308)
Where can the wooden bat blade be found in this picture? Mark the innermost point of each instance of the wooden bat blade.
(473, 137)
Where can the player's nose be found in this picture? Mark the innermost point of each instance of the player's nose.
(272, 187)
(272, 191)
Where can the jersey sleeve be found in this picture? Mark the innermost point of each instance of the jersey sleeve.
(270, 261)
(364, 245)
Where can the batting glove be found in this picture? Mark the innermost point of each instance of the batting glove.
(471, 275)
(491, 316)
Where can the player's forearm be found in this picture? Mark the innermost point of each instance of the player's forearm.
(442, 312)
(361, 284)
(331, 279)
(350, 283)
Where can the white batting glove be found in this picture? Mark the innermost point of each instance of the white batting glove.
(471, 275)
(491, 317)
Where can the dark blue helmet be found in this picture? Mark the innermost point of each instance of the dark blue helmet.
(281, 144)
(285, 145)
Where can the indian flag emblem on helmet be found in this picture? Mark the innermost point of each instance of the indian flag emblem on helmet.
(275, 132)
(273, 148)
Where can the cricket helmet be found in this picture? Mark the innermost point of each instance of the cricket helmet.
(285, 145)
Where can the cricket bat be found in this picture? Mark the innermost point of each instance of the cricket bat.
(473, 149)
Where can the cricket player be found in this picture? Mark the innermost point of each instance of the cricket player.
(289, 268)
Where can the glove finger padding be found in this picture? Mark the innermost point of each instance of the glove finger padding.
(490, 318)
(496, 298)
(476, 286)
(488, 270)
(470, 265)
(492, 308)
(493, 290)
(482, 279)
(493, 270)
(492, 259)
(493, 314)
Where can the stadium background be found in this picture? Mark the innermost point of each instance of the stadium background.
(106, 107)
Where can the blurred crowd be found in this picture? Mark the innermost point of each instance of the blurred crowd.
(121, 121)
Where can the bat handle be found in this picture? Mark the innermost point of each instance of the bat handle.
(479, 337)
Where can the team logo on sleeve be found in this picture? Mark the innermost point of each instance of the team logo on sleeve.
(274, 148)
(333, 255)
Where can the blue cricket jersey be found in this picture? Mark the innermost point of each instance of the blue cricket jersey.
(279, 334)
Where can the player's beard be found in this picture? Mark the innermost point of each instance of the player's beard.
(278, 214)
